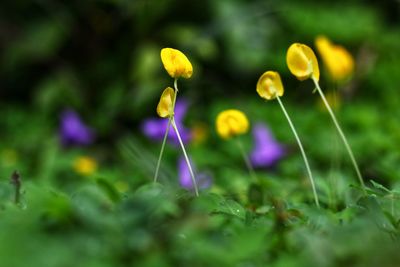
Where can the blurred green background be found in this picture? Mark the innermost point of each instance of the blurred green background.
(101, 58)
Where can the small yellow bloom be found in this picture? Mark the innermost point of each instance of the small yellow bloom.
(269, 86)
(165, 106)
(302, 62)
(85, 165)
(231, 122)
(9, 157)
(199, 133)
(176, 63)
(338, 61)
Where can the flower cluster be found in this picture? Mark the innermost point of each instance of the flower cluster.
(177, 65)
(232, 123)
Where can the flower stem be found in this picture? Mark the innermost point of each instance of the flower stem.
(162, 150)
(166, 132)
(346, 144)
(246, 159)
(186, 157)
(302, 151)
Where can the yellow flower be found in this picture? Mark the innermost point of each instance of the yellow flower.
(199, 133)
(176, 63)
(85, 165)
(302, 62)
(231, 122)
(165, 106)
(9, 157)
(338, 61)
(270, 85)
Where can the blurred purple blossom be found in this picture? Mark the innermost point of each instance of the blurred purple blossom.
(73, 131)
(267, 151)
(155, 128)
(203, 180)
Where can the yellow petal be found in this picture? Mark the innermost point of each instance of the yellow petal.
(165, 105)
(231, 122)
(269, 85)
(85, 165)
(302, 62)
(338, 61)
(176, 63)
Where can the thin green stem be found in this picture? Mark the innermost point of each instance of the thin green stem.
(166, 132)
(162, 150)
(302, 151)
(186, 157)
(335, 163)
(246, 159)
(339, 129)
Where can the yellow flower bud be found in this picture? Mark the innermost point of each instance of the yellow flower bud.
(270, 85)
(338, 61)
(231, 122)
(165, 106)
(302, 62)
(85, 165)
(176, 63)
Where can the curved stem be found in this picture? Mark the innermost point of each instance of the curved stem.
(166, 132)
(346, 144)
(246, 160)
(302, 151)
(186, 157)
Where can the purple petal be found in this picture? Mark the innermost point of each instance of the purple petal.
(73, 131)
(181, 107)
(184, 132)
(203, 180)
(262, 135)
(155, 128)
(267, 151)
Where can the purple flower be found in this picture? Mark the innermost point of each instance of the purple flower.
(203, 180)
(267, 151)
(73, 131)
(155, 128)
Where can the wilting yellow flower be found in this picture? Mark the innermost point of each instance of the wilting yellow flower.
(270, 85)
(176, 63)
(338, 61)
(165, 106)
(231, 122)
(85, 165)
(302, 62)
